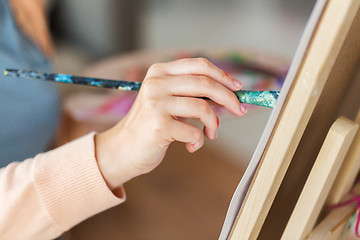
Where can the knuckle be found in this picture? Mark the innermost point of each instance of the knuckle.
(151, 105)
(228, 99)
(204, 107)
(228, 94)
(204, 63)
(157, 124)
(154, 68)
(196, 134)
(206, 82)
(151, 84)
(158, 127)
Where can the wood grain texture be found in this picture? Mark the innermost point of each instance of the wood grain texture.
(340, 97)
(348, 171)
(321, 58)
(320, 180)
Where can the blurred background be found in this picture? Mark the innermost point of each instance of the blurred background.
(188, 195)
(87, 30)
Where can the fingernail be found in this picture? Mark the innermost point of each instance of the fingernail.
(218, 122)
(243, 109)
(195, 145)
(237, 84)
(227, 74)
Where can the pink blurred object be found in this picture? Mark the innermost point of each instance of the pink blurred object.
(100, 108)
(117, 105)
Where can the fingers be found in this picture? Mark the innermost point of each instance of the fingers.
(194, 108)
(195, 86)
(183, 132)
(197, 66)
(175, 90)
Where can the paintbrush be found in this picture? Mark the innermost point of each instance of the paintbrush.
(260, 98)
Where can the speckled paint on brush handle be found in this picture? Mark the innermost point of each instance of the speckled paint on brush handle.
(66, 78)
(260, 98)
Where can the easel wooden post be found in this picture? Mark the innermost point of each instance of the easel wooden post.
(348, 171)
(331, 227)
(320, 180)
(323, 91)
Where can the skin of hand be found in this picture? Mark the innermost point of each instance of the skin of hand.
(31, 18)
(169, 95)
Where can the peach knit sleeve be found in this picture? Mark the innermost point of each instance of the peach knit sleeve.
(42, 197)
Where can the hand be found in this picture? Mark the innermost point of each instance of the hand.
(169, 94)
(31, 19)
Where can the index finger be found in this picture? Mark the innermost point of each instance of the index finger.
(199, 66)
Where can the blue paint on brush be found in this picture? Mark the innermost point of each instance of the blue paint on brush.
(260, 98)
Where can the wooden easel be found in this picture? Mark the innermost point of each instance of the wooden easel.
(326, 87)
(320, 179)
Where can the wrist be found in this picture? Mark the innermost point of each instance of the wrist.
(110, 163)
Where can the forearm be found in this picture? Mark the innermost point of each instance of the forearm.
(41, 198)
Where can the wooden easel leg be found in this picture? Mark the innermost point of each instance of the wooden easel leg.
(321, 177)
(348, 171)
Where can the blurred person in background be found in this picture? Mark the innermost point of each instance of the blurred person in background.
(29, 109)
